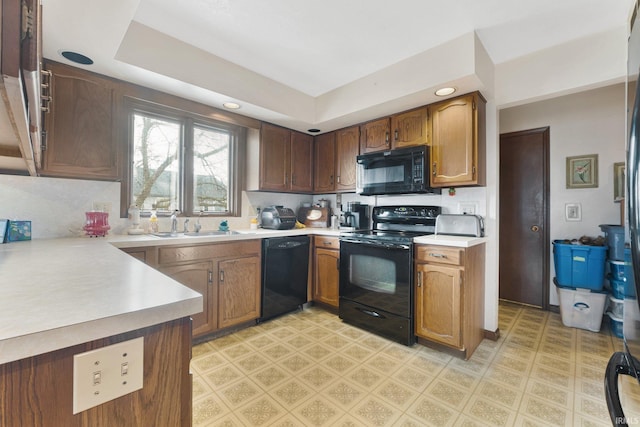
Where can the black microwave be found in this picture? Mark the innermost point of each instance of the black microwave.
(400, 171)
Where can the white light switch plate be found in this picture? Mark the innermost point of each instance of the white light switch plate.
(103, 374)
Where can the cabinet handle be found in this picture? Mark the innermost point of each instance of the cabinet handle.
(221, 276)
(211, 277)
(419, 278)
(327, 243)
(293, 179)
(395, 134)
(331, 179)
(386, 138)
(338, 179)
(437, 255)
(473, 171)
(434, 169)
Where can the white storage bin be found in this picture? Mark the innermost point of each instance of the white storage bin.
(616, 307)
(582, 308)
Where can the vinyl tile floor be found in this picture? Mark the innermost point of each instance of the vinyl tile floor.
(310, 369)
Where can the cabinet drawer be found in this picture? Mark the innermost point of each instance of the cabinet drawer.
(326, 242)
(439, 254)
(173, 254)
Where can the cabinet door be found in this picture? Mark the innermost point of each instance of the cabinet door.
(198, 276)
(238, 291)
(275, 144)
(301, 162)
(324, 163)
(327, 277)
(438, 302)
(81, 126)
(375, 136)
(410, 128)
(347, 149)
(454, 142)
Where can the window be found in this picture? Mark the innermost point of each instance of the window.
(183, 163)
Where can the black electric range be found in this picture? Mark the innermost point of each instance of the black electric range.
(376, 271)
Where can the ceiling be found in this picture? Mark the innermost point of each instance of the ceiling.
(265, 54)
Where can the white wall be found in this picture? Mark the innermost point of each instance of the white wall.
(583, 123)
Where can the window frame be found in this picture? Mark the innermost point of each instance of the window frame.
(187, 120)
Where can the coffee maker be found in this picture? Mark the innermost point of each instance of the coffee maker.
(356, 216)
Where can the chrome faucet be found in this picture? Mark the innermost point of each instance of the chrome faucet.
(174, 222)
(186, 225)
(197, 225)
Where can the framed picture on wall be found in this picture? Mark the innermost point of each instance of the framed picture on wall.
(582, 171)
(618, 181)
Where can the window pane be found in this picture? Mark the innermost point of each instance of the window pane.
(156, 169)
(211, 154)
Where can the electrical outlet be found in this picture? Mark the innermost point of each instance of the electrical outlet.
(103, 374)
(102, 206)
(467, 208)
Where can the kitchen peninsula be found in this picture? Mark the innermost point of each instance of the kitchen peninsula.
(62, 297)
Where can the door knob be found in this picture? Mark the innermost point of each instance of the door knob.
(535, 228)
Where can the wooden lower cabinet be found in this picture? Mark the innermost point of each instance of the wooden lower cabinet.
(226, 274)
(197, 276)
(238, 290)
(326, 273)
(449, 296)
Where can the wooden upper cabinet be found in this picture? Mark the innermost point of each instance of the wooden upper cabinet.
(301, 161)
(286, 159)
(410, 128)
(81, 126)
(324, 163)
(458, 142)
(375, 136)
(275, 146)
(347, 149)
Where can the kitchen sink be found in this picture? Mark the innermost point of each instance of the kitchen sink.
(195, 234)
(165, 234)
(210, 233)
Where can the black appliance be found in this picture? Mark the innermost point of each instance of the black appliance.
(277, 218)
(376, 271)
(400, 171)
(356, 216)
(622, 377)
(285, 269)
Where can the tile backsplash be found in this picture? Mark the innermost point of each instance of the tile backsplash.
(56, 207)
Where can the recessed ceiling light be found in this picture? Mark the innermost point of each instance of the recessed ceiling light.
(76, 57)
(314, 130)
(444, 91)
(231, 105)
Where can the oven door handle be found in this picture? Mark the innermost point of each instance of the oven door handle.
(377, 244)
(370, 313)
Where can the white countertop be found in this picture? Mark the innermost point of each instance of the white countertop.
(457, 241)
(55, 293)
(62, 292)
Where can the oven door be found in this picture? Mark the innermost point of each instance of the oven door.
(376, 291)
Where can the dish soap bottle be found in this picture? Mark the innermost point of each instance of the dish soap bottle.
(153, 222)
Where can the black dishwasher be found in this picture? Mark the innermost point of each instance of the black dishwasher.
(285, 267)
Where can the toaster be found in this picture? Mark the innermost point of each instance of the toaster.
(277, 218)
(460, 225)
